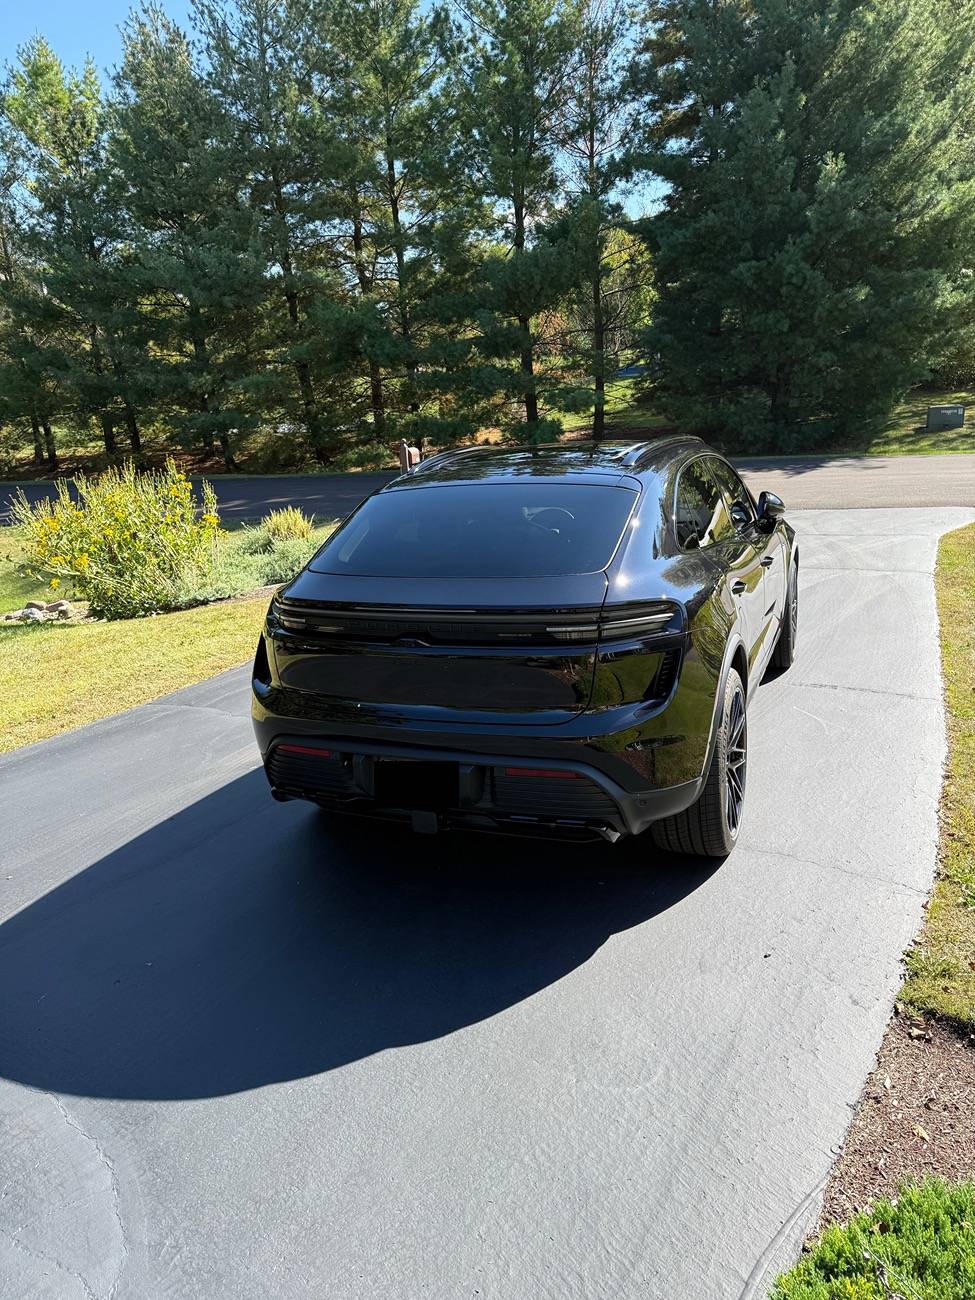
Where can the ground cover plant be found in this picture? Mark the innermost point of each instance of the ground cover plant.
(920, 1246)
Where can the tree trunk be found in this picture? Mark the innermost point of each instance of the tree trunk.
(108, 433)
(527, 356)
(132, 425)
(528, 371)
(35, 429)
(599, 359)
(106, 420)
(302, 370)
(202, 352)
(50, 445)
(228, 455)
(377, 400)
(405, 324)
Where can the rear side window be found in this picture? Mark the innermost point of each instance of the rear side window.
(700, 515)
(485, 530)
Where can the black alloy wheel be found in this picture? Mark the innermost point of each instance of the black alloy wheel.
(709, 828)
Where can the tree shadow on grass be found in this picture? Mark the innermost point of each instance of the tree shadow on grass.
(242, 943)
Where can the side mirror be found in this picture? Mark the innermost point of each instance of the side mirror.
(770, 509)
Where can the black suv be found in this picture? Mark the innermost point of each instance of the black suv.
(560, 640)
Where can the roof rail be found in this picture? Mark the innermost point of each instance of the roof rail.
(635, 458)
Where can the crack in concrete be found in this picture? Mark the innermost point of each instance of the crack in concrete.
(114, 1183)
(865, 690)
(34, 1254)
(832, 866)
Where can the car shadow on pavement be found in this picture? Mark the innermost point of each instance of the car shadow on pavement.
(242, 943)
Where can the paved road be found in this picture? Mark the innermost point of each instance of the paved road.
(804, 483)
(246, 1057)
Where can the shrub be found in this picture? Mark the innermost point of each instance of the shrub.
(289, 524)
(131, 543)
(922, 1246)
(244, 562)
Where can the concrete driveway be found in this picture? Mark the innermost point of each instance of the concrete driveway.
(245, 1055)
(803, 482)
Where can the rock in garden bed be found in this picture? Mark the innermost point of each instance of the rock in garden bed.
(39, 611)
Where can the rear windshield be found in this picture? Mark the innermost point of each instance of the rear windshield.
(483, 530)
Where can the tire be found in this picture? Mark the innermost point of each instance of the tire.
(709, 828)
(784, 653)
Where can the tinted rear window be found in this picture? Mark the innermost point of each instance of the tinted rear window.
(486, 530)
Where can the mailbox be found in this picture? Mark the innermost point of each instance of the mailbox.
(951, 416)
(408, 456)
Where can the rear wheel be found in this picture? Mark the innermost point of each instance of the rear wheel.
(785, 648)
(709, 828)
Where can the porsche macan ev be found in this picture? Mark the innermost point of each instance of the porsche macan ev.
(559, 641)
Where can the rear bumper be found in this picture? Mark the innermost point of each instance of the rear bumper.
(569, 797)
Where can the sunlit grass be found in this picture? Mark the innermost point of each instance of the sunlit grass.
(57, 676)
(941, 977)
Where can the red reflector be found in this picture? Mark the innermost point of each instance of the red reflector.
(305, 749)
(557, 773)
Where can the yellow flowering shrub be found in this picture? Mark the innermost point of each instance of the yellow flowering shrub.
(130, 543)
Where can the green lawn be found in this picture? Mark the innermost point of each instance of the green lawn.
(941, 966)
(902, 434)
(57, 676)
(622, 411)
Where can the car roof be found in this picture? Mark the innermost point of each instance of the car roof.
(607, 462)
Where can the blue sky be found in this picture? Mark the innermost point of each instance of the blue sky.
(74, 28)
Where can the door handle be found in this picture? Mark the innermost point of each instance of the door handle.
(766, 561)
(738, 587)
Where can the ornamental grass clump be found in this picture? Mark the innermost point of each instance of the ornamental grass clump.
(286, 525)
(130, 544)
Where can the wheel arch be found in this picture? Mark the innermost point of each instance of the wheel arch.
(735, 658)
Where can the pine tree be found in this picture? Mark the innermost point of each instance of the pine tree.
(84, 305)
(28, 396)
(400, 216)
(260, 56)
(812, 247)
(595, 130)
(195, 261)
(517, 85)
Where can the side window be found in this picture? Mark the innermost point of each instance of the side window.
(737, 497)
(701, 516)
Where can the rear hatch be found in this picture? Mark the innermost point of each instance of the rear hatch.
(501, 651)
(457, 602)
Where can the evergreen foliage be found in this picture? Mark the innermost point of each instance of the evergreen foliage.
(815, 249)
(325, 225)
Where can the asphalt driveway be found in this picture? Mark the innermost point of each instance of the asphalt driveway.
(803, 482)
(247, 1056)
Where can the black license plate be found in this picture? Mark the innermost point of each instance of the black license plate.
(403, 783)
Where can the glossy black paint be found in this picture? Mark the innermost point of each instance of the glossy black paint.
(469, 671)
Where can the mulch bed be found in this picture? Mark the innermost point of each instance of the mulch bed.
(915, 1117)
